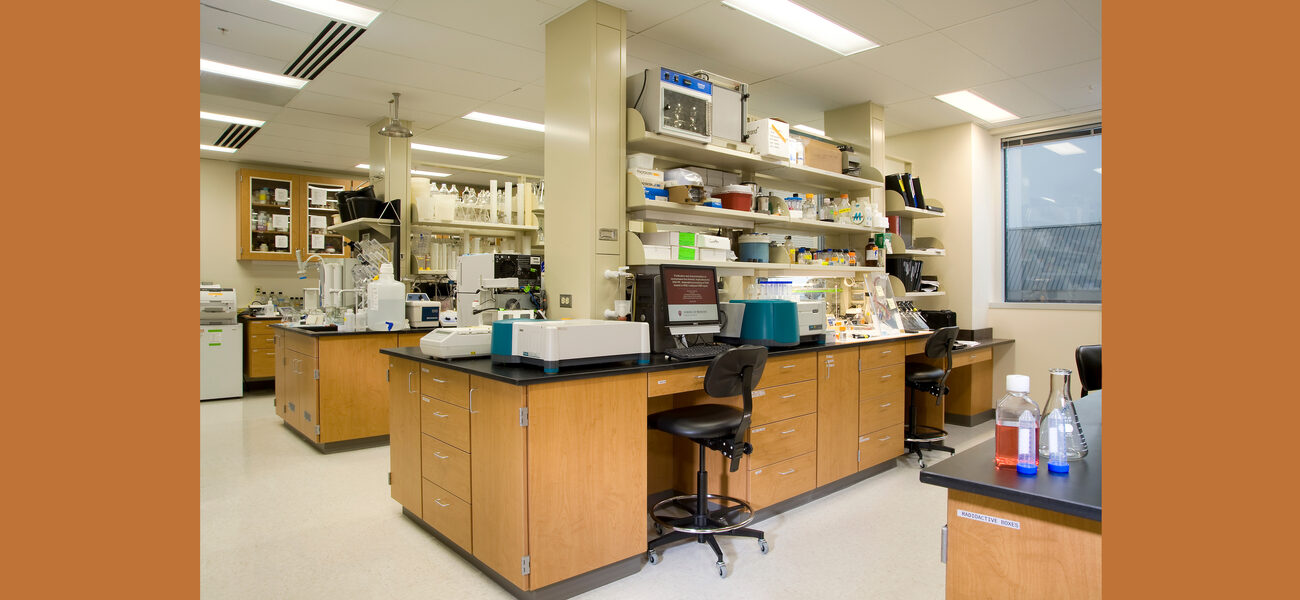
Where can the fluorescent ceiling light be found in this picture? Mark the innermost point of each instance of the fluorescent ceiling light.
(216, 148)
(804, 23)
(413, 171)
(428, 148)
(251, 75)
(967, 101)
(1064, 148)
(1098, 170)
(229, 119)
(507, 121)
(807, 129)
(339, 11)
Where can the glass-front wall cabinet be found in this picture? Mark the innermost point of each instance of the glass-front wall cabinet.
(279, 213)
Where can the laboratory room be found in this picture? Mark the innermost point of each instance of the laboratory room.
(650, 299)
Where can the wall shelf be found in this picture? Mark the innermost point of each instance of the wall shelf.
(901, 292)
(895, 207)
(475, 228)
(381, 229)
(663, 211)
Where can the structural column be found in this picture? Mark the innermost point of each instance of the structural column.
(585, 161)
(390, 169)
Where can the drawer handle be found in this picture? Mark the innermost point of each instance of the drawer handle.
(887, 376)
(789, 366)
(440, 455)
(699, 377)
(758, 429)
(423, 398)
(788, 396)
(436, 379)
(864, 439)
(438, 501)
(471, 402)
(424, 369)
(785, 472)
(886, 438)
(439, 415)
(884, 352)
(886, 405)
(785, 432)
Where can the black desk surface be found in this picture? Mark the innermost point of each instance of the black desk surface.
(334, 333)
(1078, 493)
(531, 374)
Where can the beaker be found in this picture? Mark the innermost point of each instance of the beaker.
(1058, 397)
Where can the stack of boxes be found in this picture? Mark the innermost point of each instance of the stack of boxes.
(685, 245)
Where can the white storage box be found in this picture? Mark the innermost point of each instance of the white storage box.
(648, 177)
(770, 138)
(712, 241)
(672, 252)
(640, 161)
(712, 254)
(669, 238)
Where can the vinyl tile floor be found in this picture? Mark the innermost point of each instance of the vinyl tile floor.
(280, 520)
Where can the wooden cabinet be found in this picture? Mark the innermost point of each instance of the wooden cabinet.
(260, 350)
(882, 392)
(304, 395)
(499, 477)
(274, 215)
(404, 434)
(837, 414)
(281, 376)
(334, 388)
(780, 481)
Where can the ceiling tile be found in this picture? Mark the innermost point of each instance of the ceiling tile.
(924, 113)
(403, 72)
(658, 54)
(265, 140)
(271, 12)
(644, 14)
(518, 22)
(323, 121)
(485, 137)
(931, 64)
(1090, 10)
(233, 87)
(414, 100)
(1075, 86)
(1027, 39)
(878, 20)
(240, 58)
(514, 112)
(1017, 98)
(945, 13)
(237, 32)
(368, 110)
(225, 105)
(753, 45)
(845, 82)
(210, 131)
(772, 98)
(405, 36)
(358, 138)
(531, 97)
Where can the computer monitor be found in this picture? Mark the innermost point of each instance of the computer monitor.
(691, 294)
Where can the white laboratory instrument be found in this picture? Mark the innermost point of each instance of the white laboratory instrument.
(458, 342)
(421, 311)
(673, 103)
(221, 344)
(489, 283)
(812, 320)
(555, 344)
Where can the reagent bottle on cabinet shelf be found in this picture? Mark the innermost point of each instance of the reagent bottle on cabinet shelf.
(1012, 426)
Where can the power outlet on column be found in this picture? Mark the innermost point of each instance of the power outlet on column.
(566, 300)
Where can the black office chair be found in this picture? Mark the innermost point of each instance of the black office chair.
(721, 428)
(1088, 360)
(925, 377)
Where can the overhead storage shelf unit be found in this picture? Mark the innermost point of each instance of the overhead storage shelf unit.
(662, 211)
(896, 207)
(380, 229)
(475, 228)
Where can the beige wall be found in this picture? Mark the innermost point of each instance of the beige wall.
(218, 238)
(1045, 339)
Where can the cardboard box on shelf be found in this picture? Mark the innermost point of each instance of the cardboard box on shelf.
(770, 138)
(686, 194)
(820, 155)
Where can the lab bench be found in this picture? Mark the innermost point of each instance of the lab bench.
(504, 463)
(1024, 537)
(330, 386)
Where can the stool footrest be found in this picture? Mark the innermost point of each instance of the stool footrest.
(668, 522)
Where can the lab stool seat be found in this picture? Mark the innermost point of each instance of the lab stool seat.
(928, 379)
(716, 427)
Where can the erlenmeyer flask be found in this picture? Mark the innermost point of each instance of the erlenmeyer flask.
(1058, 397)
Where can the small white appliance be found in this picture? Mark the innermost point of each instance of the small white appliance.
(489, 283)
(555, 344)
(812, 320)
(221, 344)
(673, 103)
(730, 100)
(421, 311)
(458, 342)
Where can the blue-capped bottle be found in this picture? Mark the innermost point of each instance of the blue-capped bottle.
(1016, 425)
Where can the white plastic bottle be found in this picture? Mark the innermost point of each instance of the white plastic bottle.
(385, 302)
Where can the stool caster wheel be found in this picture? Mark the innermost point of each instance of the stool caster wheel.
(722, 569)
(653, 557)
(762, 546)
(659, 529)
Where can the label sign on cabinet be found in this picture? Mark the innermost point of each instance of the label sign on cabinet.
(974, 516)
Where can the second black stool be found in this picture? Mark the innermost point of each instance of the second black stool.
(924, 377)
(722, 428)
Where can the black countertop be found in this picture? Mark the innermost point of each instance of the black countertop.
(1077, 493)
(530, 374)
(338, 333)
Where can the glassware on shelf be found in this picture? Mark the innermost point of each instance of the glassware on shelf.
(1058, 398)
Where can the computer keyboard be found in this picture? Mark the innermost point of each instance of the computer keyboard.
(697, 352)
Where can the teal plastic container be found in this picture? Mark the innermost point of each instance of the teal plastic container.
(771, 323)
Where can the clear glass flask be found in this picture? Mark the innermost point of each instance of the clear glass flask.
(1058, 398)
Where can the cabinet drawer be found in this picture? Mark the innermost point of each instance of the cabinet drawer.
(879, 412)
(260, 327)
(406, 340)
(261, 362)
(784, 402)
(882, 380)
(677, 380)
(448, 514)
(445, 384)
(446, 422)
(445, 466)
(974, 356)
(261, 340)
(778, 441)
(786, 479)
(882, 355)
(879, 446)
(788, 369)
(302, 344)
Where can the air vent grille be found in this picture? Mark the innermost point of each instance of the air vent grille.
(328, 45)
(235, 136)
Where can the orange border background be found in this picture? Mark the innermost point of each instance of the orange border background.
(99, 441)
(100, 449)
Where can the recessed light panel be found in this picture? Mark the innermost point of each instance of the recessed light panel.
(804, 23)
(507, 121)
(339, 11)
(1064, 148)
(443, 150)
(250, 75)
(216, 148)
(229, 119)
(967, 101)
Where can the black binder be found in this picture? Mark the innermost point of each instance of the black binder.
(918, 197)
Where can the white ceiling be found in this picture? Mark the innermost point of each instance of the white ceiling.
(1036, 58)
